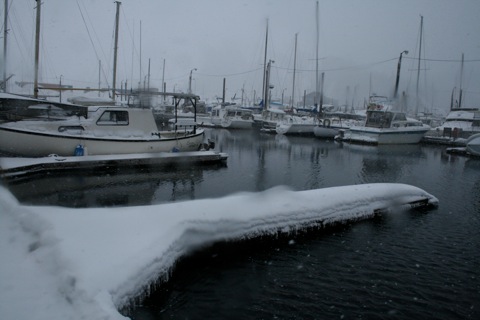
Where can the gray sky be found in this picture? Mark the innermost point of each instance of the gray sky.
(359, 45)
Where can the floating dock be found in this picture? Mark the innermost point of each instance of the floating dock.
(13, 166)
(448, 141)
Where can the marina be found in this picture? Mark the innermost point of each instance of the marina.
(323, 180)
(257, 162)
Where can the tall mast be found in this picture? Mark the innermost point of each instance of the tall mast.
(140, 66)
(316, 57)
(37, 51)
(264, 87)
(148, 82)
(320, 110)
(294, 70)
(163, 79)
(5, 32)
(419, 59)
(115, 50)
(461, 83)
(99, 76)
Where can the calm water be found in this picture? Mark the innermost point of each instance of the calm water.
(413, 265)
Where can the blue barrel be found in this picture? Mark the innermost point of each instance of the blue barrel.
(78, 151)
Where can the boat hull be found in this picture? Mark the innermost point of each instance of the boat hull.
(295, 128)
(473, 144)
(325, 132)
(34, 144)
(233, 123)
(385, 136)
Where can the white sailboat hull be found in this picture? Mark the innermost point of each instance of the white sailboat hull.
(33, 144)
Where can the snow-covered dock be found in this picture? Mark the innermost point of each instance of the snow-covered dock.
(12, 166)
(87, 263)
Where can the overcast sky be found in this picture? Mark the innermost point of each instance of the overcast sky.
(359, 46)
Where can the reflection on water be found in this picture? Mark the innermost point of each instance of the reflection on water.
(256, 162)
(114, 187)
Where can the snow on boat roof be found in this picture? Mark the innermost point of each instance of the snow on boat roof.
(68, 263)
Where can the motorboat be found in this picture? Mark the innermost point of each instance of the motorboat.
(237, 118)
(473, 144)
(384, 125)
(103, 130)
(230, 116)
(459, 123)
(330, 125)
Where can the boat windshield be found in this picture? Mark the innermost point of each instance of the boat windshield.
(379, 119)
(113, 117)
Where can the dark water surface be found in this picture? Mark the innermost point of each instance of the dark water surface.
(405, 266)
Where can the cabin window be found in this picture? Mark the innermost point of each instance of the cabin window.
(380, 119)
(113, 118)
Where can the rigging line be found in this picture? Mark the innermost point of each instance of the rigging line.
(340, 68)
(20, 36)
(130, 33)
(229, 75)
(91, 41)
(104, 57)
(443, 60)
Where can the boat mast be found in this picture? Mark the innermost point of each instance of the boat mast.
(461, 82)
(115, 50)
(320, 110)
(264, 87)
(419, 59)
(5, 32)
(294, 70)
(99, 76)
(37, 50)
(316, 59)
(163, 80)
(267, 85)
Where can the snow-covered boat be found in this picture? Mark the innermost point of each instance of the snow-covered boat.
(228, 116)
(386, 126)
(267, 121)
(459, 123)
(296, 125)
(103, 130)
(330, 125)
(473, 144)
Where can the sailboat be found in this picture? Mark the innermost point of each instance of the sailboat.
(294, 124)
(100, 130)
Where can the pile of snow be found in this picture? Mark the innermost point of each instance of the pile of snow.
(63, 263)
